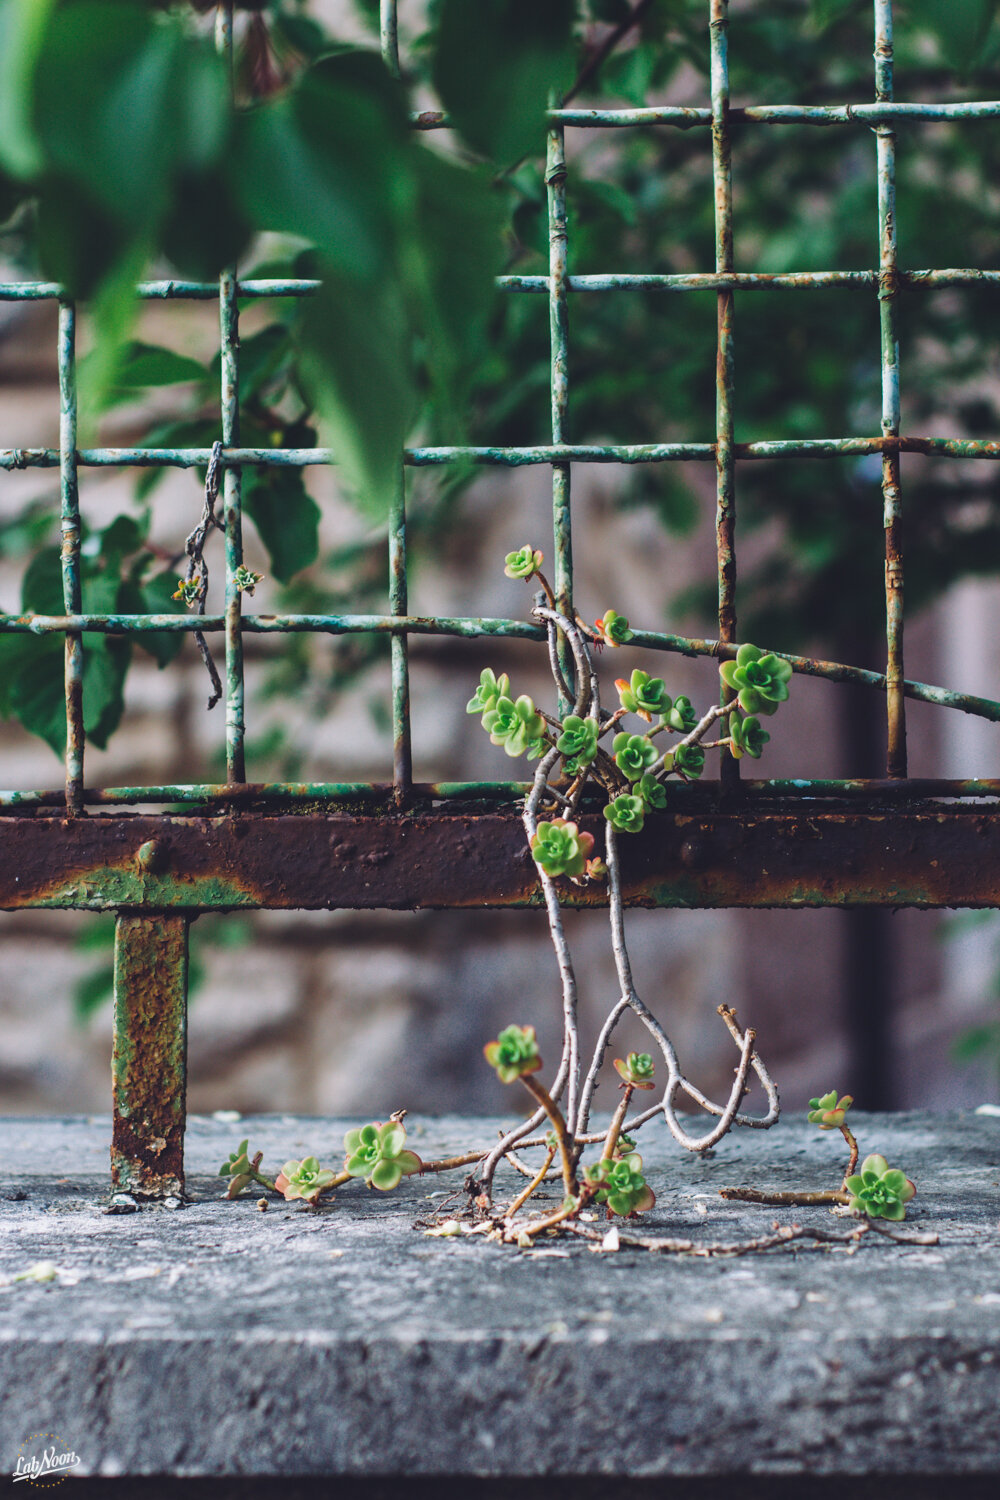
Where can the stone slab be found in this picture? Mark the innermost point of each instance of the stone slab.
(217, 1340)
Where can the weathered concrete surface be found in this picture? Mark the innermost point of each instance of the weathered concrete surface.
(219, 1340)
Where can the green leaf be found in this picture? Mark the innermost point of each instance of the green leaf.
(93, 991)
(22, 33)
(328, 162)
(496, 63)
(286, 517)
(961, 27)
(355, 364)
(144, 365)
(153, 597)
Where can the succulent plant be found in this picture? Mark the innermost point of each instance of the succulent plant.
(559, 848)
(828, 1112)
(620, 1184)
(688, 760)
(524, 563)
(187, 591)
(878, 1190)
(489, 690)
(637, 1069)
(634, 754)
(652, 792)
(746, 736)
(613, 628)
(514, 724)
(644, 695)
(596, 869)
(578, 742)
(626, 813)
(303, 1179)
(760, 679)
(514, 1053)
(378, 1153)
(239, 1169)
(246, 580)
(683, 716)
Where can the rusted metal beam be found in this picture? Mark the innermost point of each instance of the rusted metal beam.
(149, 1062)
(940, 855)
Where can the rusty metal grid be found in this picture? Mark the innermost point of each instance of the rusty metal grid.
(890, 842)
(559, 455)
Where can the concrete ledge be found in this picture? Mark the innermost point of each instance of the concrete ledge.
(221, 1341)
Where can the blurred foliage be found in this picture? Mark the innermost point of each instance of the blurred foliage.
(121, 153)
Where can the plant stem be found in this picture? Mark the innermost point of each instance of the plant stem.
(617, 1120)
(535, 1182)
(779, 1200)
(449, 1163)
(549, 1222)
(846, 1132)
(541, 1095)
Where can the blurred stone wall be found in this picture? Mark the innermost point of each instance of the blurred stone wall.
(368, 1012)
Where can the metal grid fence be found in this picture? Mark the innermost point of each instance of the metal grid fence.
(887, 282)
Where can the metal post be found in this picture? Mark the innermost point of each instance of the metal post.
(725, 464)
(149, 1063)
(888, 290)
(555, 184)
(70, 535)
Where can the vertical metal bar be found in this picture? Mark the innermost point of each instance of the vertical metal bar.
(725, 467)
(389, 34)
(229, 330)
(555, 184)
(888, 288)
(69, 513)
(402, 750)
(402, 754)
(149, 1062)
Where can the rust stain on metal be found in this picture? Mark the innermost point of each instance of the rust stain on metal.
(854, 853)
(148, 1066)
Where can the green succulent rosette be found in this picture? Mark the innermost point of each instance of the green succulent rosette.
(514, 723)
(634, 754)
(637, 1070)
(524, 563)
(644, 695)
(303, 1179)
(613, 628)
(682, 716)
(746, 737)
(759, 679)
(626, 812)
(246, 580)
(686, 760)
(187, 591)
(578, 742)
(559, 848)
(489, 690)
(828, 1112)
(239, 1169)
(514, 1053)
(652, 792)
(378, 1153)
(879, 1191)
(621, 1185)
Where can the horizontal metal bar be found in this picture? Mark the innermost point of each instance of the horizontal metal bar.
(268, 794)
(197, 291)
(208, 291)
(749, 857)
(749, 281)
(512, 457)
(471, 629)
(758, 114)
